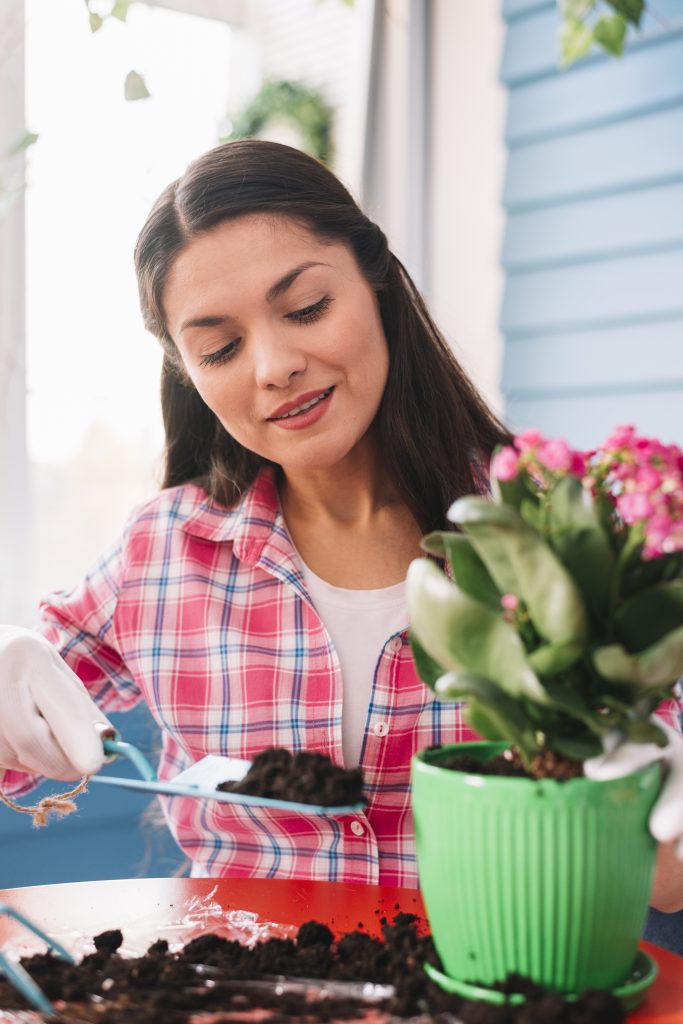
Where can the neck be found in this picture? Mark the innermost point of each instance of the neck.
(352, 493)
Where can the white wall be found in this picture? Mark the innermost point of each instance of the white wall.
(467, 162)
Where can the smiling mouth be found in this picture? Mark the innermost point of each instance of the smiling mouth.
(304, 407)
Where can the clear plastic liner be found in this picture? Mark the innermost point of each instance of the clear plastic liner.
(201, 914)
(197, 915)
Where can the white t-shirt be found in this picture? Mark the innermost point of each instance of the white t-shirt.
(359, 623)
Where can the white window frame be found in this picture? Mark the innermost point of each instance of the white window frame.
(14, 504)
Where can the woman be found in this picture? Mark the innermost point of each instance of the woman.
(317, 425)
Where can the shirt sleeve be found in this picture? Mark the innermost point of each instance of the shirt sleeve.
(81, 624)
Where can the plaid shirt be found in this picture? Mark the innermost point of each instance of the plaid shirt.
(203, 613)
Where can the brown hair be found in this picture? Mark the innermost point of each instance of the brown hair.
(434, 428)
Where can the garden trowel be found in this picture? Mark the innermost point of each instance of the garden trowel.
(200, 779)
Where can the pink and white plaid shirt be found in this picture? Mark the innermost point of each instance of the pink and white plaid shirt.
(203, 613)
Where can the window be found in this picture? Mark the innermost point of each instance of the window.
(93, 418)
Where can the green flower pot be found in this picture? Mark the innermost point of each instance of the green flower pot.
(547, 879)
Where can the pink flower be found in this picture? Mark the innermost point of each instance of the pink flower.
(578, 464)
(555, 455)
(647, 479)
(527, 439)
(505, 464)
(658, 536)
(621, 437)
(633, 506)
(510, 602)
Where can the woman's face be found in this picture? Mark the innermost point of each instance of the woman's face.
(281, 335)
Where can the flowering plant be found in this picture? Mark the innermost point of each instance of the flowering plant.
(562, 618)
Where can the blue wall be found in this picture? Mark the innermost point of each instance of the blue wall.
(593, 251)
(593, 248)
(113, 834)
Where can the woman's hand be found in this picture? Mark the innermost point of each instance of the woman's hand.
(47, 723)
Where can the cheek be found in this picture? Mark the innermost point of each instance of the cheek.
(224, 396)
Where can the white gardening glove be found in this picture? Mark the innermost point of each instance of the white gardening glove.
(47, 719)
(666, 818)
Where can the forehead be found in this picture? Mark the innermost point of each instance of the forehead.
(237, 257)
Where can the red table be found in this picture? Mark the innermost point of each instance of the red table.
(148, 906)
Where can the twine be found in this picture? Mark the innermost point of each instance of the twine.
(60, 804)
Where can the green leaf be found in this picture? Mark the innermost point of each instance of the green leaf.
(120, 10)
(642, 730)
(134, 87)
(522, 563)
(467, 567)
(491, 712)
(579, 748)
(649, 615)
(428, 670)
(631, 10)
(433, 544)
(551, 659)
(21, 145)
(659, 665)
(465, 635)
(469, 571)
(579, 540)
(610, 33)
(96, 22)
(484, 723)
(577, 8)
(569, 701)
(576, 40)
(532, 514)
(509, 492)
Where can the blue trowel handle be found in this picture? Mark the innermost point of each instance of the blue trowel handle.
(114, 747)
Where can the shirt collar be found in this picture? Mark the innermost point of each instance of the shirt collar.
(255, 527)
(247, 525)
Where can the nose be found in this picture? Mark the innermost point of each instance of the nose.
(277, 360)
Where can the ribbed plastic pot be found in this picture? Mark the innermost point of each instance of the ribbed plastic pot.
(547, 879)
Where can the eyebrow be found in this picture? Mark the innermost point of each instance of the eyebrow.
(275, 290)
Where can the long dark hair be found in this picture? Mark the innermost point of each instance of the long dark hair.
(435, 430)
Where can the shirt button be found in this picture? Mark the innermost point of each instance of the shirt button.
(395, 644)
(357, 828)
(380, 728)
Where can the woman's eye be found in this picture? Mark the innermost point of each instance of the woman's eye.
(222, 355)
(310, 313)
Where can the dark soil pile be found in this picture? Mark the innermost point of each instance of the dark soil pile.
(232, 985)
(305, 777)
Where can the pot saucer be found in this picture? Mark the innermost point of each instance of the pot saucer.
(631, 992)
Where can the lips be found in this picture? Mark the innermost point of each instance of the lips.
(300, 404)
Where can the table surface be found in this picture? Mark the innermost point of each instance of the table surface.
(146, 907)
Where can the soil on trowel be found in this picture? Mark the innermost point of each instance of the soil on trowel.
(305, 777)
(232, 983)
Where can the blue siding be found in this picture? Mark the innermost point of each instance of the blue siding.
(593, 249)
(113, 834)
(531, 49)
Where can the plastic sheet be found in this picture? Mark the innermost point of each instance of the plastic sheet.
(205, 914)
(197, 915)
